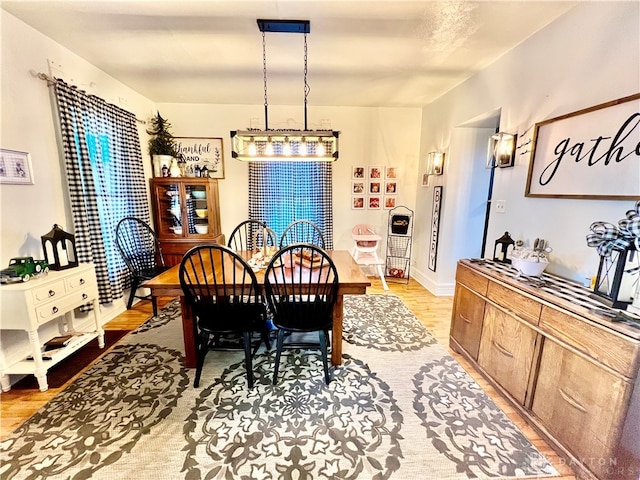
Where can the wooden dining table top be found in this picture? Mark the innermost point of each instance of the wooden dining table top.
(350, 277)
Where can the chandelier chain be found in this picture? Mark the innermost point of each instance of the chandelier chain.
(264, 75)
(306, 84)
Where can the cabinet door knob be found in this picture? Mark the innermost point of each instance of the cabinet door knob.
(54, 310)
(85, 296)
(82, 281)
(52, 293)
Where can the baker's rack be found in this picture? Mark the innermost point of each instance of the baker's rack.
(399, 239)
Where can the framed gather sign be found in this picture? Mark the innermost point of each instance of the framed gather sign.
(591, 153)
(202, 152)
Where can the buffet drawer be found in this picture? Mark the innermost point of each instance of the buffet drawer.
(471, 279)
(605, 346)
(524, 307)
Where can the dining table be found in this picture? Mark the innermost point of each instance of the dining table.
(351, 281)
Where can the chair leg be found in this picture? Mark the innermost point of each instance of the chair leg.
(278, 353)
(323, 348)
(201, 352)
(247, 357)
(135, 283)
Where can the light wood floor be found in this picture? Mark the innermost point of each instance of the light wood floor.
(433, 312)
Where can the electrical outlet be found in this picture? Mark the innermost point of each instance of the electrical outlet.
(501, 206)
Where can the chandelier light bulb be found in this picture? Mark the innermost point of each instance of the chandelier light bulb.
(286, 149)
(252, 147)
(269, 149)
(303, 147)
(320, 151)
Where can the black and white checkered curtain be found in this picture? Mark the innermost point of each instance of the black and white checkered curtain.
(105, 178)
(282, 192)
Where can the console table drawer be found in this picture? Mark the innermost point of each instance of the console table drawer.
(48, 292)
(63, 304)
(471, 279)
(619, 353)
(81, 280)
(524, 307)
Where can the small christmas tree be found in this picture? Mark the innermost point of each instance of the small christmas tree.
(161, 141)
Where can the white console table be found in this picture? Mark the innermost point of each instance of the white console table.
(52, 296)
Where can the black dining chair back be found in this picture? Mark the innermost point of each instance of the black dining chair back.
(302, 231)
(248, 235)
(227, 306)
(301, 289)
(141, 252)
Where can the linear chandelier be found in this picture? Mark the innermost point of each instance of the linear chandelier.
(253, 145)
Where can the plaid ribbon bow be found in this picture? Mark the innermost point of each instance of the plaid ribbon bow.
(606, 237)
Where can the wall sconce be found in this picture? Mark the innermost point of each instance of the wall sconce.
(501, 150)
(435, 163)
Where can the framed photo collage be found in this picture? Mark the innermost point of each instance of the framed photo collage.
(374, 188)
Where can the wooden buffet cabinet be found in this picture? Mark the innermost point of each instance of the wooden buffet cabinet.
(186, 213)
(566, 367)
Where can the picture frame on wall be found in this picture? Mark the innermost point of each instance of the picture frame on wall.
(357, 187)
(425, 180)
(358, 172)
(375, 187)
(588, 154)
(375, 173)
(374, 202)
(389, 202)
(15, 167)
(202, 152)
(357, 202)
(390, 188)
(391, 172)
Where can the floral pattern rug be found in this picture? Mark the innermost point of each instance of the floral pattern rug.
(399, 407)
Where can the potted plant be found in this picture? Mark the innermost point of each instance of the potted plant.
(162, 146)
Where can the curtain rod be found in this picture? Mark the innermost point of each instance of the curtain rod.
(52, 81)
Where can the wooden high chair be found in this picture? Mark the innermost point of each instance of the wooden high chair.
(365, 249)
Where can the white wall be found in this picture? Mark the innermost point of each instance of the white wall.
(369, 136)
(27, 124)
(587, 57)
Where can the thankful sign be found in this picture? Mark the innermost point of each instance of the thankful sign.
(592, 153)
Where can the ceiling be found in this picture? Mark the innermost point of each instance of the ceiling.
(360, 52)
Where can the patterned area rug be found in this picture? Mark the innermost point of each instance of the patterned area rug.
(399, 407)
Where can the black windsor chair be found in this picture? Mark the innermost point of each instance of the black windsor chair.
(223, 293)
(301, 288)
(140, 250)
(302, 231)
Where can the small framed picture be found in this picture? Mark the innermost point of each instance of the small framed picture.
(357, 203)
(390, 188)
(375, 173)
(391, 172)
(375, 202)
(425, 180)
(374, 187)
(15, 167)
(389, 202)
(357, 187)
(358, 172)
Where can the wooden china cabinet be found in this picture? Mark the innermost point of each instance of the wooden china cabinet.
(186, 213)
